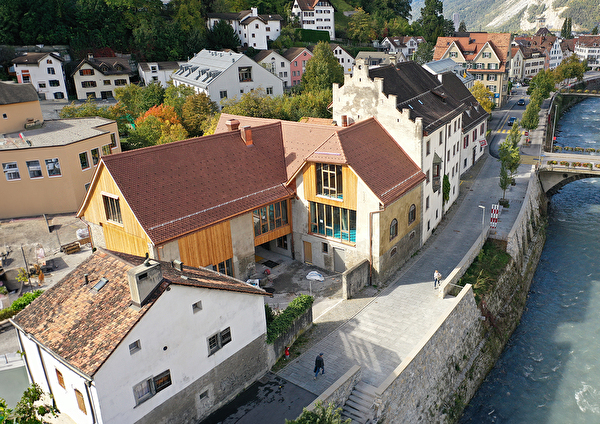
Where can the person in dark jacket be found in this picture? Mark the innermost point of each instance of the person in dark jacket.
(319, 365)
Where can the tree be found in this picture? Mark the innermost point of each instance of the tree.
(595, 30)
(543, 83)
(196, 110)
(424, 53)
(570, 67)
(322, 70)
(135, 100)
(320, 415)
(563, 30)
(222, 36)
(510, 157)
(28, 409)
(159, 125)
(360, 27)
(176, 95)
(505, 180)
(432, 23)
(484, 96)
(462, 27)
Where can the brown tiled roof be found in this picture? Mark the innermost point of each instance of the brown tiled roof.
(84, 326)
(33, 58)
(110, 63)
(293, 52)
(177, 188)
(471, 46)
(420, 92)
(262, 54)
(588, 40)
(318, 121)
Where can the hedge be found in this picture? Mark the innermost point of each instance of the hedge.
(19, 305)
(313, 35)
(284, 320)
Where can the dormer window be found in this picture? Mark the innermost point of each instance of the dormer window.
(329, 181)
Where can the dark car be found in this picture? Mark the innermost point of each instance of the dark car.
(511, 121)
(521, 102)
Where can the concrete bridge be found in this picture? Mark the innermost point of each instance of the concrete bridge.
(556, 170)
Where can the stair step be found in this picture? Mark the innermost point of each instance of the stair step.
(358, 406)
(360, 400)
(365, 388)
(354, 418)
(356, 412)
(364, 397)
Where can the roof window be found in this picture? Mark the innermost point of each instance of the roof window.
(101, 283)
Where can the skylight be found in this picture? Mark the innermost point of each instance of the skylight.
(101, 283)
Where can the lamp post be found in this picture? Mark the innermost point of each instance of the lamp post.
(482, 218)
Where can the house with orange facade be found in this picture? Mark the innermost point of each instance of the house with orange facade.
(312, 192)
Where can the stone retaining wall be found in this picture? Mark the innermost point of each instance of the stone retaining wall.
(355, 279)
(298, 327)
(339, 391)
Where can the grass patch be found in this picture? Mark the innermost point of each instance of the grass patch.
(486, 268)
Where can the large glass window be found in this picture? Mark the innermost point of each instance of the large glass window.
(34, 168)
(95, 156)
(270, 217)
(11, 171)
(412, 214)
(329, 180)
(393, 229)
(332, 221)
(112, 209)
(225, 267)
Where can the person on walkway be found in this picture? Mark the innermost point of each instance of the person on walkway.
(437, 277)
(319, 365)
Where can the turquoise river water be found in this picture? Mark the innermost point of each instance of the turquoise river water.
(549, 371)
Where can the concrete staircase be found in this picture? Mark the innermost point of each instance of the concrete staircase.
(359, 406)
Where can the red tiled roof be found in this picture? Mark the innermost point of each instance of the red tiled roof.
(84, 326)
(180, 187)
(471, 46)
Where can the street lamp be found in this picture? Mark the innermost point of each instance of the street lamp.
(482, 217)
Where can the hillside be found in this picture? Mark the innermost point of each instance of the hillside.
(515, 15)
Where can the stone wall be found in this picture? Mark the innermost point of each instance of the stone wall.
(339, 391)
(298, 327)
(355, 279)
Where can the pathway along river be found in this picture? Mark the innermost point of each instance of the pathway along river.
(549, 371)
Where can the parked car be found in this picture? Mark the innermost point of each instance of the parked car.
(521, 102)
(511, 121)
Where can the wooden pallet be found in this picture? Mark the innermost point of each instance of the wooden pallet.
(70, 248)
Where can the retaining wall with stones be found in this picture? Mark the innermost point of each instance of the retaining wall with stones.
(339, 391)
(298, 327)
(355, 279)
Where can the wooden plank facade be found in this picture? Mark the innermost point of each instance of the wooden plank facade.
(208, 246)
(349, 181)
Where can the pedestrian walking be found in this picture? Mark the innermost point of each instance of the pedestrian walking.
(437, 277)
(319, 365)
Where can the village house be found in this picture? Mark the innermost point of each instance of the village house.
(587, 47)
(97, 77)
(315, 14)
(298, 57)
(157, 72)
(344, 58)
(253, 30)
(225, 75)
(275, 64)
(124, 340)
(407, 45)
(380, 58)
(421, 115)
(44, 71)
(19, 106)
(485, 55)
(311, 192)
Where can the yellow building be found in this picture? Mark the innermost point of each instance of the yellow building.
(19, 106)
(47, 169)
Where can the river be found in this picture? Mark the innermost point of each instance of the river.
(549, 372)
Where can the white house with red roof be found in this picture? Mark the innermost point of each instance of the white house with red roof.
(124, 340)
(253, 30)
(587, 47)
(315, 14)
(45, 72)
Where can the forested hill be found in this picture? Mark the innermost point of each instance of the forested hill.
(515, 15)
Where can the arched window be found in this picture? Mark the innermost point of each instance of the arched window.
(412, 214)
(393, 228)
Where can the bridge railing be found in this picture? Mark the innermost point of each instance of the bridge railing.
(570, 163)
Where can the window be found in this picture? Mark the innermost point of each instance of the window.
(223, 94)
(83, 160)
(54, 83)
(106, 150)
(5, 116)
(106, 82)
(453, 54)
(59, 95)
(224, 267)
(329, 180)
(113, 141)
(427, 177)
(60, 378)
(441, 135)
(412, 214)
(41, 84)
(270, 217)
(269, 90)
(282, 242)
(53, 167)
(282, 64)
(95, 156)
(465, 142)
(245, 73)
(134, 347)
(34, 168)
(149, 387)
(112, 208)
(324, 248)
(11, 170)
(121, 82)
(197, 307)
(84, 72)
(428, 147)
(88, 84)
(26, 78)
(331, 221)
(217, 341)
(80, 401)
(487, 55)
(394, 229)
(427, 203)
(162, 381)
(50, 71)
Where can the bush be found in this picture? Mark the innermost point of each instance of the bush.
(19, 305)
(283, 321)
(269, 314)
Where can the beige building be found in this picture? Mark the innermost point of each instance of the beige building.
(487, 56)
(48, 169)
(19, 105)
(97, 77)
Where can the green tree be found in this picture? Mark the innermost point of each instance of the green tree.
(424, 53)
(484, 96)
(530, 118)
(320, 415)
(509, 151)
(159, 125)
(505, 180)
(322, 70)
(570, 67)
(360, 27)
(563, 30)
(432, 23)
(135, 100)
(28, 409)
(222, 36)
(176, 95)
(446, 188)
(196, 110)
(397, 26)
(543, 83)
(462, 27)
(255, 103)
(595, 30)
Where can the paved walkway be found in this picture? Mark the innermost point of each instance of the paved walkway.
(378, 332)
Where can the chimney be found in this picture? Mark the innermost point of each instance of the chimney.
(232, 124)
(344, 121)
(90, 55)
(178, 265)
(246, 133)
(254, 11)
(86, 279)
(143, 279)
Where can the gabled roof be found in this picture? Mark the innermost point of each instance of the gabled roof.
(471, 45)
(162, 66)
(588, 41)
(400, 41)
(293, 52)
(11, 93)
(310, 4)
(421, 92)
(194, 183)
(34, 58)
(84, 326)
(107, 65)
(206, 66)
(474, 113)
(244, 17)
(265, 53)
